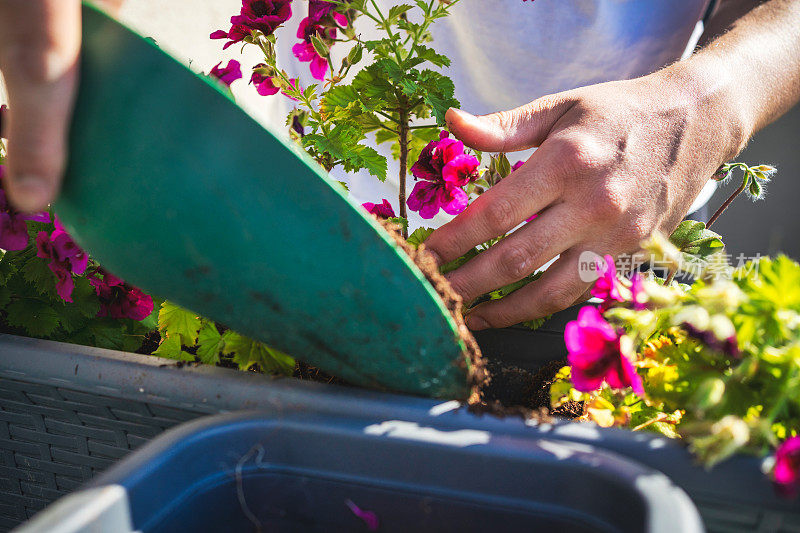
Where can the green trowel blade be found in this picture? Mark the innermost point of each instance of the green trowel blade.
(171, 186)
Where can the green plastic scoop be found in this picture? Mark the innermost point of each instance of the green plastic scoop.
(171, 186)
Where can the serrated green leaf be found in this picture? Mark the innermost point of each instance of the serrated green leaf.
(209, 344)
(418, 236)
(170, 348)
(179, 323)
(36, 272)
(36, 317)
(395, 12)
(431, 56)
(247, 352)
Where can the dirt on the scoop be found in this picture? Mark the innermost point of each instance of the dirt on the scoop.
(497, 389)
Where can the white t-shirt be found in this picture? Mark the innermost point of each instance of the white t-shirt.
(504, 53)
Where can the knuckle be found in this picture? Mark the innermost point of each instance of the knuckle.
(582, 152)
(515, 262)
(608, 201)
(557, 297)
(499, 215)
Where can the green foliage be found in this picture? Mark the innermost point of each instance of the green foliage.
(185, 336)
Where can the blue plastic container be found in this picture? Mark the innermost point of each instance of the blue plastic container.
(303, 471)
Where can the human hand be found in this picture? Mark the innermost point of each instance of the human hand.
(616, 161)
(39, 47)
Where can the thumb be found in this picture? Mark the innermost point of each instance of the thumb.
(39, 45)
(508, 131)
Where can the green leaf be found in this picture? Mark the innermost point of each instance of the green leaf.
(419, 236)
(84, 298)
(693, 238)
(429, 55)
(400, 221)
(209, 344)
(247, 352)
(36, 317)
(170, 348)
(178, 322)
(395, 12)
(36, 272)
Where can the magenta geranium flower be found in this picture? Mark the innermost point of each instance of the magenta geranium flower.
(443, 169)
(119, 299)
(13, 229)
(596, 354)
(517, 165)
(263, 83)
(227, 74)
(607, 287)
(67, 250)
(260, 15)
(305, 52)
(319, 9)
(786, 473)
(382, 210)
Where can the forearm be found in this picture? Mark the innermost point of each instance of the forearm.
(750, 69)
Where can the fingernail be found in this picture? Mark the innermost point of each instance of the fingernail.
(476, 323)
(30, 193)
(454, 112)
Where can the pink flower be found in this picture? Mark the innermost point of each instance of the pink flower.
(319, 9)
(260, 15)
(607, 286)
(263, 83)
(118, 299)
(383, 210)
(306, 53)
(517, 165)
(786, 473)
(369, 517)
(443, 168)
(67, 250)
(596, 354)
(227, 74)
(65, 258)
(13, 229)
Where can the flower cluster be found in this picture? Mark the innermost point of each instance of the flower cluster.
(321, 23)
(444, 169)
(119, 299)
(262, 16)
(65, 258)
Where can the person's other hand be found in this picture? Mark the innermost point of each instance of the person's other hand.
(615, 162)
(39, 47)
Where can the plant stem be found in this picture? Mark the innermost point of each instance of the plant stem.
(403, 162)
(670, 276)
(727, 203)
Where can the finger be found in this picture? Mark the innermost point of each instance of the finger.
(509, 131)
(557, 289)
(525, 192)
(39, 46)
(519, 254)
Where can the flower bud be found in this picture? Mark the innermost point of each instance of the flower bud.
(727, 436)
(709, 394)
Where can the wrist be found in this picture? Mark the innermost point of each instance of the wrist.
(710, 96)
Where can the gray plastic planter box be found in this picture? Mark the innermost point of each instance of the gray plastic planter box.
(297, 471)
(68, 412)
